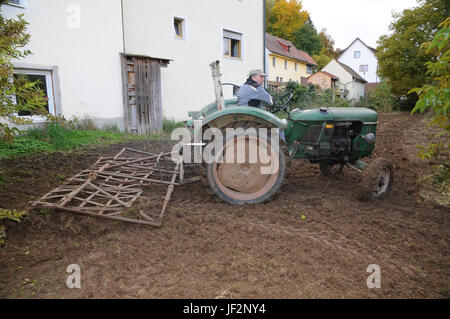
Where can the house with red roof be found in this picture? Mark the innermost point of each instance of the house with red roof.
(284, 62)
(324, 80)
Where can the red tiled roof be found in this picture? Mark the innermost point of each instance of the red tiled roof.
(333, 77)
(286, 48)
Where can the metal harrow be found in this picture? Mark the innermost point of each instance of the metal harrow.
(110, 186)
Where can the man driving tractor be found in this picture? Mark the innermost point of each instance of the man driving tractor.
(252, 92)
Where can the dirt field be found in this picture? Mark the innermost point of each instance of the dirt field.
(208, 249)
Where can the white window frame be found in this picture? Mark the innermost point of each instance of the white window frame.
(274, 62)
(309, 69)
(183, 28)
(50, 93)
(296, 66)
(362, 67)
(285, 64)
(21, 4)
(359, 54)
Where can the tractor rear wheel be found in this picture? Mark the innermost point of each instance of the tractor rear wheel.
(247, 182)
(377, 179)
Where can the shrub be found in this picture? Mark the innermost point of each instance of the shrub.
(169, 125)
(10, 214)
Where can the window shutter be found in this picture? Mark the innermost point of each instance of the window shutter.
(231, 35)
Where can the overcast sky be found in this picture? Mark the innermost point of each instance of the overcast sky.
(345, 20)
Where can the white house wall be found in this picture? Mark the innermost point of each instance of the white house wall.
(85, 54)
(346, 82)
(367, 58)
(334, 68)
(186, 82)
(356, 91)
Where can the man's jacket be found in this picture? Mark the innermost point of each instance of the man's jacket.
(252, 94)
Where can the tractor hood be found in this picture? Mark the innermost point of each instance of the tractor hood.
(361, 114)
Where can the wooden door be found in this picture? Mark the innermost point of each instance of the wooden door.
(142, 94)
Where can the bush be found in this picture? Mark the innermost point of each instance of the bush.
(308, 97)
(380, 100)
(9, 214)
(169, 125)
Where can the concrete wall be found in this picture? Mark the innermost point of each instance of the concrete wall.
(186, 82)
(79, 41)
(84, 59)
(366, 57)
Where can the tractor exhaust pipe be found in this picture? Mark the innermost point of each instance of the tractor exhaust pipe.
(220, 101)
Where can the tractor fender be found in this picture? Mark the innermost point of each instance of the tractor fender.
(232, 114)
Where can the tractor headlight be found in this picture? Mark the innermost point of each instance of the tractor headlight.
(369, 138)
(285, 122)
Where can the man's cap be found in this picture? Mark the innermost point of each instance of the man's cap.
(256, 72)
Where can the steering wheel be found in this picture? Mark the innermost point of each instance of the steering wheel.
(281, 103)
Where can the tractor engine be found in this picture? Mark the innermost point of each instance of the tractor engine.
(341, 142)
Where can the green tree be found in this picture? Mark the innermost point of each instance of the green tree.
(285, 17)
(269, 7)
(28, 96)
(322, 59)
(435, 95)
(400, 58)
(307, 39)
(327, 44)
(327, 53)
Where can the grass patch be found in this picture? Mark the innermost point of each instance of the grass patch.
(53, 137)
(169, 125)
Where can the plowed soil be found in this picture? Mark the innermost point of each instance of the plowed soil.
(313, 240)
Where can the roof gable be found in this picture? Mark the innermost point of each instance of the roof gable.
(358, 39)
(287, 49)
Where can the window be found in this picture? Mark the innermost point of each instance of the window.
(363, 68)
(44, 79)
(18, 3)
(357, 54)
(231, 44)
(179, 28)
(309, 69)
(285, 64)
(274, 61)
(295, 66)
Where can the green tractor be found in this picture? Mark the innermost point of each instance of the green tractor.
(330, 137)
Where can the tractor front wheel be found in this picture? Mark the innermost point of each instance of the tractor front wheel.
(377, 179)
